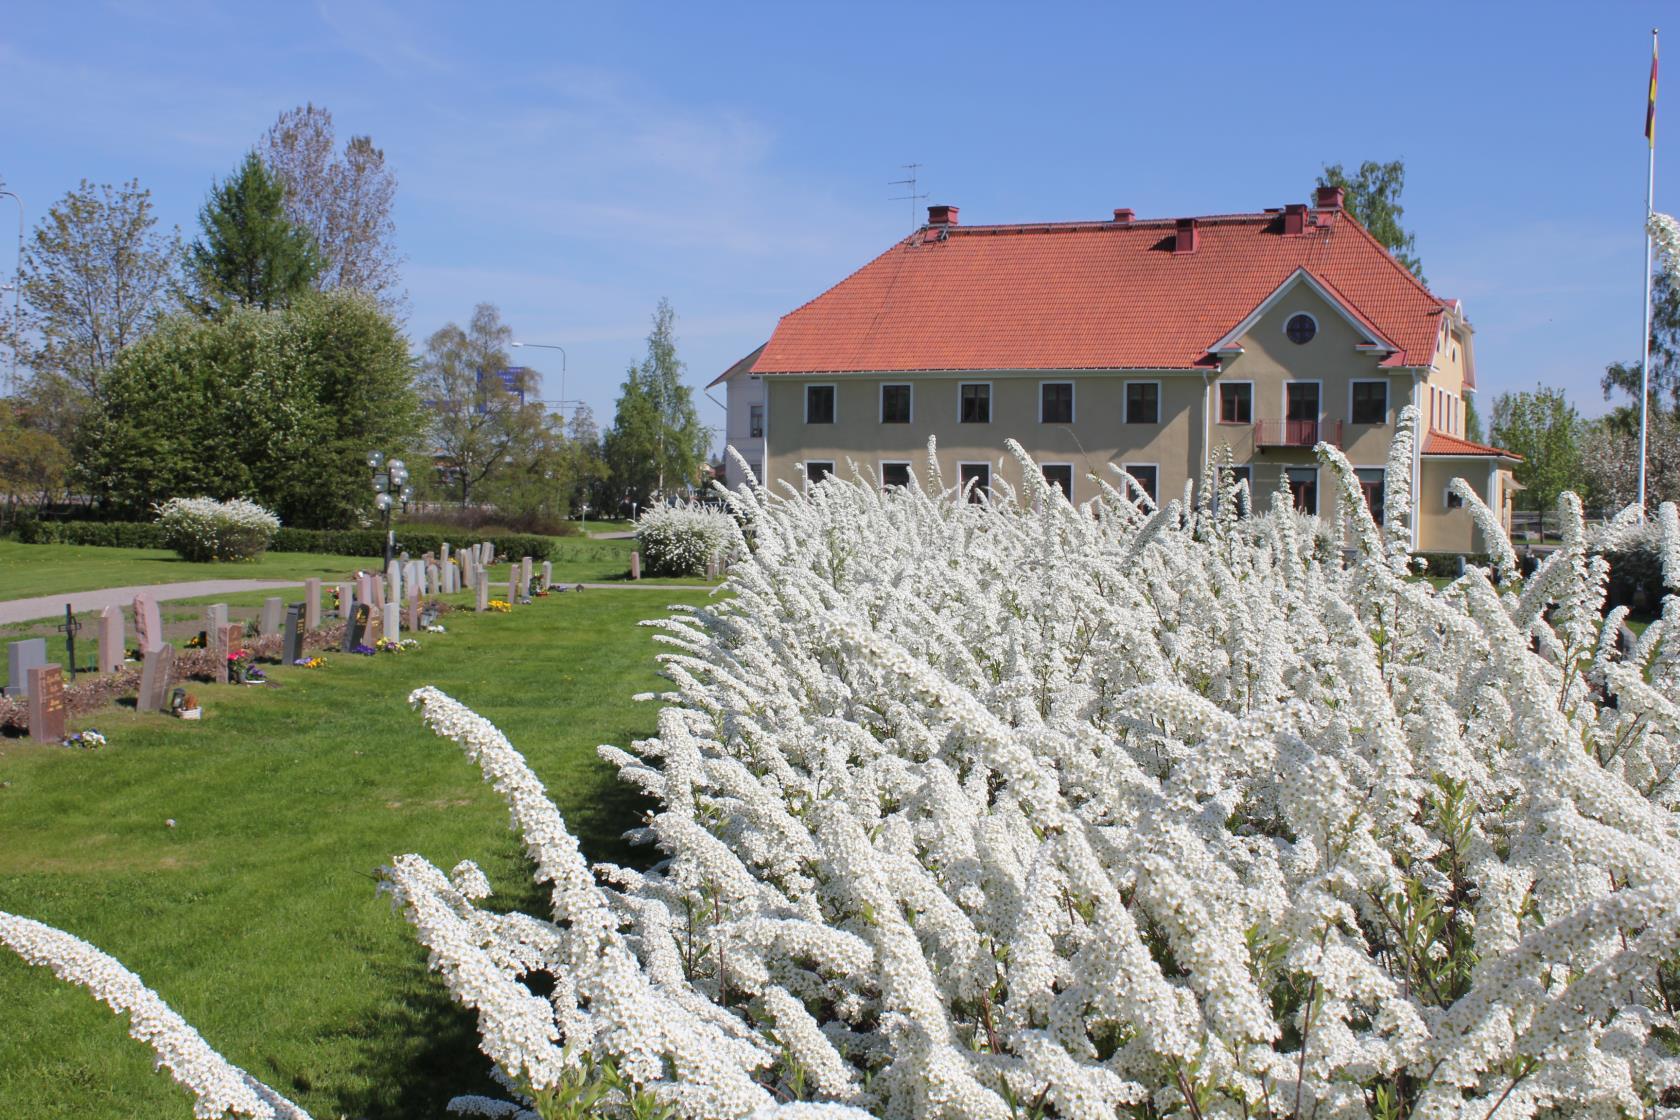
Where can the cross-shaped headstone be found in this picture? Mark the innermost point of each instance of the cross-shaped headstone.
(72, 626)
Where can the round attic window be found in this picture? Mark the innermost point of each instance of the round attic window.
(1301, 328)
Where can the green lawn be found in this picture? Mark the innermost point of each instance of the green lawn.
(28, 570)
(256, 917)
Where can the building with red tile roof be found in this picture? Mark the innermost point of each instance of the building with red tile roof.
(1128, 343)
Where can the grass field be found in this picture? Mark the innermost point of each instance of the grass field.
(256, 916)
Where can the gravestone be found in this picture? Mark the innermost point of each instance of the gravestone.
(394, 574)
(525, 571)
(376, 591)
(403, 556)
(635, 565)
(489, 556)
(269, 622)
(291, 644)
(712, 568)
(346, 600)
(111, 651)
(46, 703)
(547, 574)
(390, 617)
(157, 674)
(448, 580)
(443, 552)
(311, 604)
(411, 609)
(20, 658)
(355, 626)
(483, 596)
(434, 584)
(215, 620)
(227, 642)
(513, 595)
(148, 624)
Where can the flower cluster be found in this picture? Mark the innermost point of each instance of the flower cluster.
(396, 645)
(315, 662)
(681, 540)
(500, 606)
(205, 529)
(436, 628)
(89, 740)
(364, 649)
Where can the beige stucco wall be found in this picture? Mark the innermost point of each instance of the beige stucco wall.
(1451, 530)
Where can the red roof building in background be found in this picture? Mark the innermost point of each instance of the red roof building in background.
(1264, 333)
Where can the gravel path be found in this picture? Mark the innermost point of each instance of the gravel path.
(52, 606)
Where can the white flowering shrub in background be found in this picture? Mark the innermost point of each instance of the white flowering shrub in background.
(681, 540)
(204, 529)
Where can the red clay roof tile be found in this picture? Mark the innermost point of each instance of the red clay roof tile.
(1439, 443)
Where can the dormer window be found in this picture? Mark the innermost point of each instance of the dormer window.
(1301, 328)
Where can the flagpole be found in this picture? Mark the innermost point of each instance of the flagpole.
(1645, 337)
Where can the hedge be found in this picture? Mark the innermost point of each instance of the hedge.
(343, 542)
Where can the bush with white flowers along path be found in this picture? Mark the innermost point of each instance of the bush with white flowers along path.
(1027, 810)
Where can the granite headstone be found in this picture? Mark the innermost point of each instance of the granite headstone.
(157, 674)
(111, 651)
(21, 657)
(46, 703)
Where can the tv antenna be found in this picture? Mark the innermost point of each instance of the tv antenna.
(910, 182)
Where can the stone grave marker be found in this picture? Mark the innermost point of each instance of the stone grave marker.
(547, 574)
(291, 643)
(148, 624)
(389, 616)
(355, 625)
(376, 591)
(394, 574)
(525, 571)
(111, 651)
(448, 587)
(157, 674)
(712, 568)
(311, 604)
(434, 582)
(272, 613)
(346, 600)
(483, 593)
(403, 556)
(227, 641)
(411, 609)
(46, 703)
(513, 595)
(21, 657)
(489, 556)
(635, 565)
(215, 620)
(443, 552)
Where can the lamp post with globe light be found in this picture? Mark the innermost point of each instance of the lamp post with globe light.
(390, 486)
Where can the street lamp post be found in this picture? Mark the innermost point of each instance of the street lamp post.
(390, 486)
(550, 346)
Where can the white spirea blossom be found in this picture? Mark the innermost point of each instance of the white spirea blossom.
(218, 1086)
(205, 529)
(680, 540)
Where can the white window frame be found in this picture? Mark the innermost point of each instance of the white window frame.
(1126, 402)
(986, 463)
(1071, 475)
(809, 463)
(1073, 399)
(1283, 328)
(1448, 497)
(835, 388)
(990, 396)
(1388, 398)
(881, 466)
(881, 401)
(1155, 497)
(1318, 478)
(1219, 404)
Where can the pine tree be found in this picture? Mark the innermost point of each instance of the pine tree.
(250, 254)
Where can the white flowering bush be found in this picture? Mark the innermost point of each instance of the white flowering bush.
(680, 540)
(204, 529)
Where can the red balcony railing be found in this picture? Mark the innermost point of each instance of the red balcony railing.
(1297, 433)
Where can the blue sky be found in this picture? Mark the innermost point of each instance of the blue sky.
(573, 163)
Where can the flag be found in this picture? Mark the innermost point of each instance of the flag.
(1651, 105)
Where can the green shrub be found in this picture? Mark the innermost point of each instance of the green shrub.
(203, 529)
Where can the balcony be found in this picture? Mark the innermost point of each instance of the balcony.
(1297, 433)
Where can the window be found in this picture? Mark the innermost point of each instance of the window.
(1148, 476)
(1143, 402)
(1303, 485)
(975, 403)
(1236, 402)
(1370, 402)
(895, 474)
(1453, 500)
(895, 404)
(1301, 328)
(1060, 475)
(1055, 402)
(818, 469)
(1371, 482)
(980, 474)
(1300, 400)
(755, 421)
(819, 404)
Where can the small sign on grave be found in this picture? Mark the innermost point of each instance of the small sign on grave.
(46, 703)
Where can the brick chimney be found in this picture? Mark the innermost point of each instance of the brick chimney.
(942, 215)
(1123, 216)
(1184, 236)
(1294, 219)
(1330, 198)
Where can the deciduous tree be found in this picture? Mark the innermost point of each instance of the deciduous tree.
(657, 445)
(342, 197)
(1545, 430)
(479, 419)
